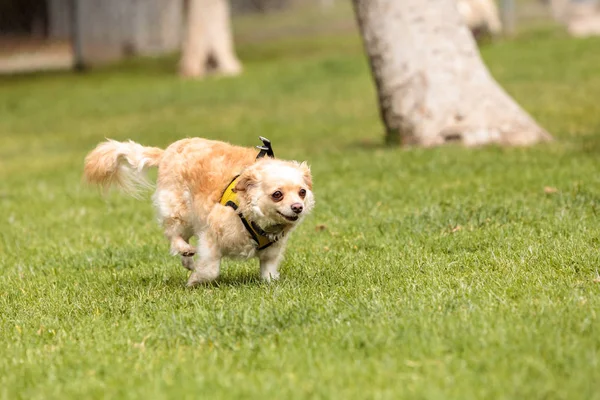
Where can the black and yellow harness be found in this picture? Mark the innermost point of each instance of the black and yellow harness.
(230, 199)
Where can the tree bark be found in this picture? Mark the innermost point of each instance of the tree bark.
(433, 86)
(208, 42)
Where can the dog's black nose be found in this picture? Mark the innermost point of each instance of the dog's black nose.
(297, 208)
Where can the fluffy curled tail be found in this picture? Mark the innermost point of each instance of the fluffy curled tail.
(121, 164)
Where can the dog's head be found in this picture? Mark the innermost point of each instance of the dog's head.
(275, 192)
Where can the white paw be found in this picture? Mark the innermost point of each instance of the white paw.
(270, 276)
(200, 277)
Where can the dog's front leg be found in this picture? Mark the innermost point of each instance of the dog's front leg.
(270, 258)
(208, 262)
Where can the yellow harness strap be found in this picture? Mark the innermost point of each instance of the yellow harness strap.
(230, 196)
(230, 199)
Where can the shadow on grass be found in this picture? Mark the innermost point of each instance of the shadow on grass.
(589, 145)
(178, 281)
(238, 280)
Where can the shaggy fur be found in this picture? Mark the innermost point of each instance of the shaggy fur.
(192, 175)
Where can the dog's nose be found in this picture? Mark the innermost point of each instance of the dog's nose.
(297, 208)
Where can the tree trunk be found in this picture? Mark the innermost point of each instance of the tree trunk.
(208, 42)
(433, 86)
(582, 18)
(508, 16)
(559, 9)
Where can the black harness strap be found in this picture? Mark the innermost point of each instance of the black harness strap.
(253, 229)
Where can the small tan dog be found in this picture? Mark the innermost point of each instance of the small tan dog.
(238, 204)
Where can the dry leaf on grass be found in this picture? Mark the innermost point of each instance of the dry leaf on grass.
(320, 228)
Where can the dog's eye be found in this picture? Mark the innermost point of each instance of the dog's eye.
(302, 193)
(277, 195)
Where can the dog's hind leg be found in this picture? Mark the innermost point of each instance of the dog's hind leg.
(173, 214)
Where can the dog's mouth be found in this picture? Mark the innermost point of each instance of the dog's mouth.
(291, 219)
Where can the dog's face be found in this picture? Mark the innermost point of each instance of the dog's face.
(277, 192)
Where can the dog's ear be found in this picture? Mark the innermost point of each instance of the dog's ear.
(248, 179)
(306, 173)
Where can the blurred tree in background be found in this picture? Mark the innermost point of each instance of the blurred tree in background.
(433, 86)
(208, 42)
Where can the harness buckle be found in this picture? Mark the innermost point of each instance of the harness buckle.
(265, 149)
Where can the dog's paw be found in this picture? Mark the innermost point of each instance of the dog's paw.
(271, 276)
(187, 262)
(200, 277)
(180, 247)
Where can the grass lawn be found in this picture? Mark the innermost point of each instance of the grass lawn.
(439, 273)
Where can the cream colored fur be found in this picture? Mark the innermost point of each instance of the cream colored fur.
(192, 174)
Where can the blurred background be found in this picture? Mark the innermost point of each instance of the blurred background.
(67, 34)
(427, 273)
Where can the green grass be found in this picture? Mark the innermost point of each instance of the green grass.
(439, 273)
